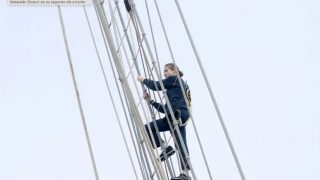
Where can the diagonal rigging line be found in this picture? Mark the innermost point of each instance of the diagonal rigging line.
(213, 99)
(116, 29)
(122, 38)
(125, 29)
(110, 95)
(121, 44)
(143, 167)
(138, 40)
(104, 19)
(132, 53)
(138, 35)
(150, 70)
(131, 69)
(167, 164)
(125, 51)
(158, 63)
(180, 82)
(152, 34)
(78, 95)
(162, 86)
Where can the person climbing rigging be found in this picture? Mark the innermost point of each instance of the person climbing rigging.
(180, 109)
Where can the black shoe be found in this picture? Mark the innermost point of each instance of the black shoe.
(169, 151)
(181, 177)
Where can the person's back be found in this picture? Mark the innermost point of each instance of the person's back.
(175, 94)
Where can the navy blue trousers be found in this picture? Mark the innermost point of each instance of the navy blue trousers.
(163, 126)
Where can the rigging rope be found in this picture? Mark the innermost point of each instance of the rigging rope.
(159, 169)
(144, 162)
(139, 42)
(78, 95)
(142, 49)
(109, 91)
(152, 34)
(210, 91)
(162, 87)
(132, 107)
(137, 68)
(180, 82)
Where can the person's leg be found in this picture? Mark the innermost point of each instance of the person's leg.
(162, 126)
(183, 155)
(183, 115)
(181, 144)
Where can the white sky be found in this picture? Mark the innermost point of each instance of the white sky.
(262, 59)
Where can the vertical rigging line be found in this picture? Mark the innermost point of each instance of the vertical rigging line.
(109, 91)
(78, 95)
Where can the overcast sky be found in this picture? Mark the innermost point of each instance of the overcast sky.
(262, 59)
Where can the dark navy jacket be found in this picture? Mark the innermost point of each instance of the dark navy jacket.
(175, 95)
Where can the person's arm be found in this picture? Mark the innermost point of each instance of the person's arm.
(154, 85)
(158, 106)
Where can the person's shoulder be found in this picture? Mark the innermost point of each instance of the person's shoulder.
(173, 77)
